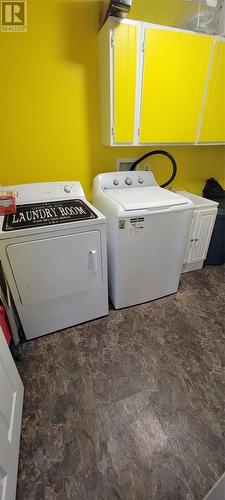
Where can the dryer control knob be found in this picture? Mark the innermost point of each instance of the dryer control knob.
(128, 181)
(115, 182)
(67, 189)
(140, 180)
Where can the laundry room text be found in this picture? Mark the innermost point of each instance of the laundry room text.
(49, 213)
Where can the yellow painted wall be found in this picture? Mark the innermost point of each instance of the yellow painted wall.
(49, 105)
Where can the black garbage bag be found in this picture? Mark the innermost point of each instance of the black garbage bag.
(213, 190)
(216, 252)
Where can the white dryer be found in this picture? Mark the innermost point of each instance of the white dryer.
(53, 256)
(147, 229)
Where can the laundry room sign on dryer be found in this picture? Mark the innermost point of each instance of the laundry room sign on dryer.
(48, 213)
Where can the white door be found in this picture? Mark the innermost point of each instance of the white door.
(191, 239)
(51, 268)
(202, 236)
(11, 402)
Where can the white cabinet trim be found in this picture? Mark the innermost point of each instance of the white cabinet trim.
(205, 92)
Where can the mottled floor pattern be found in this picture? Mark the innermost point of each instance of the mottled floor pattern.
(129, 407)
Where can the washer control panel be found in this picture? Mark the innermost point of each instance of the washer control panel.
(119, 180)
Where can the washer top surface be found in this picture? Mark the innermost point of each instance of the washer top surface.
(149, 198)
(45, 207)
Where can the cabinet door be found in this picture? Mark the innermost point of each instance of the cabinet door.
(174, 76)
(191, 238)
(124, 81)
(213, 122)
(202, 236)
(11, 404)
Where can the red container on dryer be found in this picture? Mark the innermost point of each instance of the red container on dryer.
(7, 202)
(4, 325)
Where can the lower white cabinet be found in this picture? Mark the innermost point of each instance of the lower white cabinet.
(204, 216)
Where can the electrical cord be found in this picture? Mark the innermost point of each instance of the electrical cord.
(159, 152)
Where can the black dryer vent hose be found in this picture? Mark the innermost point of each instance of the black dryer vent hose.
(159, 152)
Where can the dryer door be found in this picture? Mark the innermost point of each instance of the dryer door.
(50, 268)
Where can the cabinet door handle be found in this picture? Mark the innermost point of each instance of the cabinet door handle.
(196, 239)
(93, 261)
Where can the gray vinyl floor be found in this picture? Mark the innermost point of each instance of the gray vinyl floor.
(131, 406)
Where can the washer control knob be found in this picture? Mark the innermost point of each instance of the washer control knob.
(140, 180)
(67, 188)
(128, 181)
(115, 182)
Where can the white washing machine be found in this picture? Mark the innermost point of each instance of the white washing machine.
(53, 256)
(147, 229)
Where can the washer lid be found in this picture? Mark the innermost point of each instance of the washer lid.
(146, 198)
